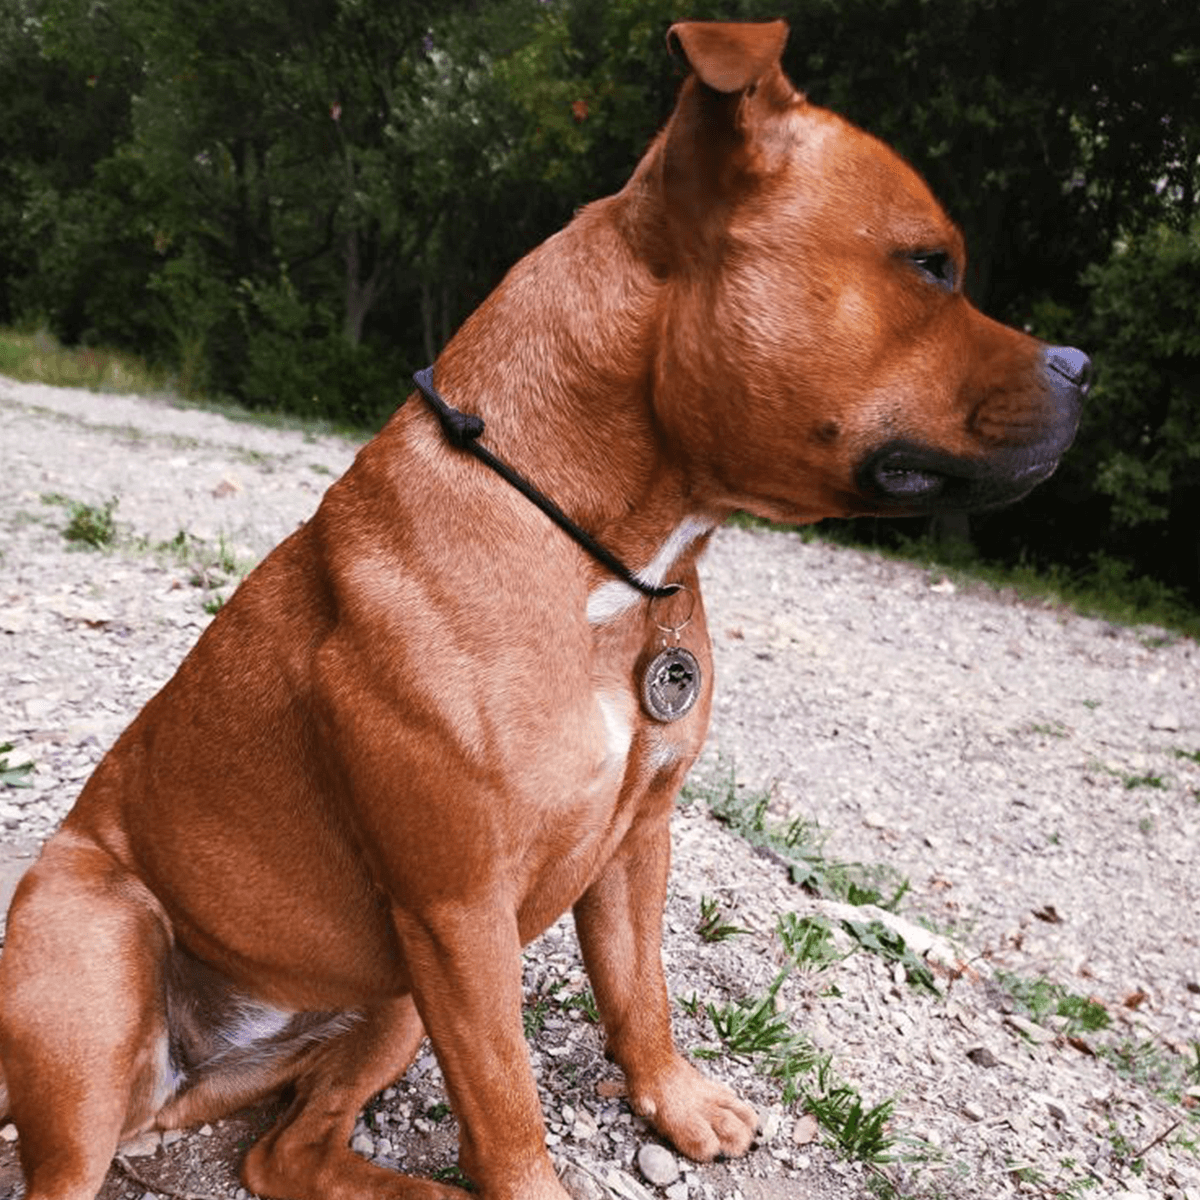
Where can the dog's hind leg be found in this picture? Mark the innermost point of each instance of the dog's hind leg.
(83, 1033)
(306, 1155)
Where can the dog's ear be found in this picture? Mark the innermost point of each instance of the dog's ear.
(728, 56)
(717, 142)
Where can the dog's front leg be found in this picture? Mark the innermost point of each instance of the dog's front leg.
(619, 921)
(465, 961)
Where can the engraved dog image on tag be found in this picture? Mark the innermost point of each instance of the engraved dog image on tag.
(671, 684)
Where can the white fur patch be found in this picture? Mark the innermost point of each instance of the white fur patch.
(618, 732)
(168, 1079)
(254, 1023)
(611, 599)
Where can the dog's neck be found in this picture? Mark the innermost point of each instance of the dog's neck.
(569, 405)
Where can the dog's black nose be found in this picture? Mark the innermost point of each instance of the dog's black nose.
(1073, 365)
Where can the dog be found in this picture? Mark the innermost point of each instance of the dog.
(443, 712)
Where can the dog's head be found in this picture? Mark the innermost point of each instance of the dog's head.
(817, 356)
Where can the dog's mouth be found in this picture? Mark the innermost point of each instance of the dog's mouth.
(905, 477)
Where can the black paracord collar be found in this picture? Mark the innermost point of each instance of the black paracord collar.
(463, 430)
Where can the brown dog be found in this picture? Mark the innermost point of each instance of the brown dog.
(430, 722)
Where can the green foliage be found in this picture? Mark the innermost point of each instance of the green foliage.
(808, 941)
(1141, 419)
(711, 927)
(858, 1132)
(39, 358)
(1041, 998)
(92, 526)
(15, 776)
(800, 846)
(876, 938)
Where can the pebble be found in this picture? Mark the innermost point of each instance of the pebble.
(657, 1164)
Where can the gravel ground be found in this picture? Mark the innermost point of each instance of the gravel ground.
(1034, 775)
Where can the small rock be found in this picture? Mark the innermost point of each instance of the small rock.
(362, 1144)
(657, 1164)
(143, 1146)
(1168, 722)
(205, 1131)
(171, 1136)
(8, 1133)
(581, 1185)
(804, 1130)
(972, 1111)
(1031, 1029)
(981, 1056)
(677, 1191)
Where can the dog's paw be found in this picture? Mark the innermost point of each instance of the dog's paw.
(701, 1117)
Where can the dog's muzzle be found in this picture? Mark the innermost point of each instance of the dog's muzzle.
(905, 477)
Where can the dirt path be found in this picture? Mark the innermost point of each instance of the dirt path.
(1035, 776)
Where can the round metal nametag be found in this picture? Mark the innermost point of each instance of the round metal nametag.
(671, 684)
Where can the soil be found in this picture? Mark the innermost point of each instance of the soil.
(1033, 774)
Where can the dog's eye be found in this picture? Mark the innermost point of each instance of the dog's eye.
(937, 264)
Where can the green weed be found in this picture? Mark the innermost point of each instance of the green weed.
(857, 1131)
(1041, 998)
(808, 941)
(1149, 779)
(583, 1002)
(710, 926)
(91, 525)
(876, 938)
(454, 1176)
(799, 845)
(17, 776)
(1058, 730)
(1147, 1064)
(533, 1018)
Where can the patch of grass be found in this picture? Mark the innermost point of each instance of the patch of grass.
(583, 1002)
(1148, 779)
(438, 1112)
(1151, 1066)
(858, 1132)
(753, 1029)
(808, 941)
(1057, 729)
(39, 358)
(91, 525)
(1190, 755)
(212, 567)
(533, 1017)
(454, 1176)
(876, 938)
(1040, 998)
(710, 927)
(1107, 588)
(16, 776)
(798, 845)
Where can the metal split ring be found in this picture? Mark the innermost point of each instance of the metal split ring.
(675, 630)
